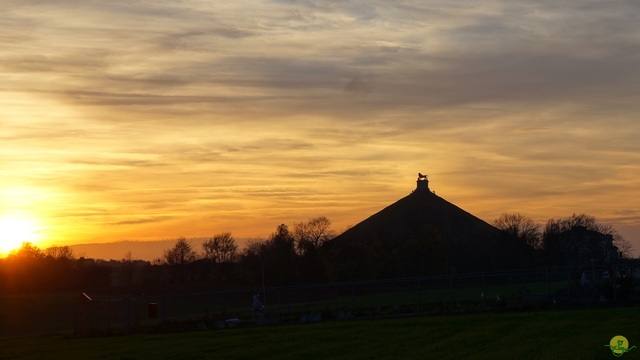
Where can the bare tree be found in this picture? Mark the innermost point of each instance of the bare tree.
(556, 226)
(60, 253)
(624, 247)
(221, 248)
(28, 251)
(254, 247)
(520, 227)
(180, 254)
(311, 235)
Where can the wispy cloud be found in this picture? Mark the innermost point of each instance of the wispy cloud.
(282, 109)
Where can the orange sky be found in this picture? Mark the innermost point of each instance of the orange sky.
(145, 120)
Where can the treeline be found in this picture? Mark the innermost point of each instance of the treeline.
(29, 269)
(572, 241)
(305, 253)
(286, 256)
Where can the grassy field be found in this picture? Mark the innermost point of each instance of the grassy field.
(574, 334)
(36, 314)
(39, 314)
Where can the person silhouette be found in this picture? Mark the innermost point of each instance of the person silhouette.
(258, 307)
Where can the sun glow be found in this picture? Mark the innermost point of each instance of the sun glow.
(15, 230)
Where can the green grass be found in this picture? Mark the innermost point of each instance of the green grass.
(579, 334)
(37, 314)
(407, 296)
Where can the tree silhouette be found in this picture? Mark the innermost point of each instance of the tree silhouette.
(520, 228)
(309, 238)
(279, 256)
(221, 248)
(64, 253)
(25, 268)
(311, 235)
(251, 261)
(27, 252)
(555, 227)
(180, 254)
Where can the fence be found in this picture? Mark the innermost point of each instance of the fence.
(313, 302)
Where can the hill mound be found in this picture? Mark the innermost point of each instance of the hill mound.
(419, 234)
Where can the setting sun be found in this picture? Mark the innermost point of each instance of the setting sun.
(14, 230)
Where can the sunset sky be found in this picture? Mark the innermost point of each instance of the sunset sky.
(149, 120)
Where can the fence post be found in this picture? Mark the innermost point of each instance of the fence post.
(98, 315)
(395, 302)
(353, 298)
(510, 296)
(164, 308)
(76, 318)
(568, 285)
(614, 283)
(126, 314)
(136, 314)
(484, 291)
(279, 304)
(593, 269)
(108, 313)
(547, 282)
(224, 303)
(419, 295)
